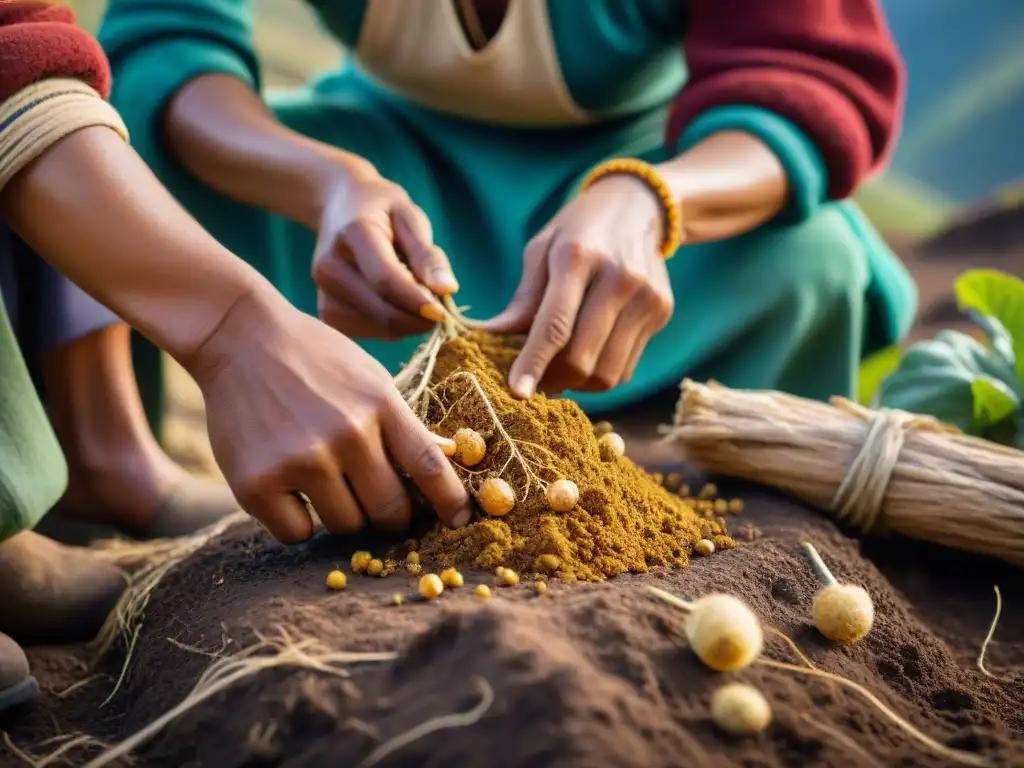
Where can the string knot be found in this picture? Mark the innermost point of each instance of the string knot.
(860, 496)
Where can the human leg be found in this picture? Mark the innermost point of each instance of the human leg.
(47, 591)
(118, 474)
(17, 686)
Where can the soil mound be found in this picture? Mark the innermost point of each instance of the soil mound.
(588, 674)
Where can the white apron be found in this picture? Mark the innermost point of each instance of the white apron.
(418, 50)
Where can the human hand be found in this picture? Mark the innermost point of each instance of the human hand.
(376, 267)
(594, 290)
(297, 407)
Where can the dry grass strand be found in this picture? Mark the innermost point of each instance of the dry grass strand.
(284, 651)
(442, 722)
(988, 637)
(71, 742)
(953, 755)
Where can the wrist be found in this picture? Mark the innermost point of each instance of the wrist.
(255, 304)
(334, 177)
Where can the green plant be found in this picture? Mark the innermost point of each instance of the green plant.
(958, 379)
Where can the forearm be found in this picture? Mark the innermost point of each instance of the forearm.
(726, 185)
(92, 208)
(224, 134)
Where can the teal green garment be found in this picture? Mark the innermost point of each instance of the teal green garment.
(792, 305)
(33, 472)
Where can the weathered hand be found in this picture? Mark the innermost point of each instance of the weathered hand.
(376, 267)
(594, 290)
(293, 406)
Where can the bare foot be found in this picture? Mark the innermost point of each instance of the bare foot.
(143, 499)
(17, 686)
(53, 593)
(118, 474)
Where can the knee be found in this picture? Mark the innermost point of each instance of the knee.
(826, 262)
(814, 267)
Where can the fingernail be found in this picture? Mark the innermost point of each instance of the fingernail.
(461, 520)
(432, 312)
(525, 387)
(444, 280)
(447, 446)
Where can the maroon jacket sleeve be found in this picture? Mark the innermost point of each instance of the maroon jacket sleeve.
(39, 40)
(829, 66)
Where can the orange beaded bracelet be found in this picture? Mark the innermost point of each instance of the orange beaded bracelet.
(673, 217)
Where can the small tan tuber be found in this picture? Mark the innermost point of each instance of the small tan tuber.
(843, 613)
(496, 497)
(431, 586)
(337, 580)
(470, 447)
(563, 495)
(450, 577)
(740, 709)
(722, 631)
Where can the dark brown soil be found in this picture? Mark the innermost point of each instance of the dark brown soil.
(588, 675)
(986, 237)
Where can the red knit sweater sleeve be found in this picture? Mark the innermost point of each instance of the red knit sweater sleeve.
(39, 40)
(829, 66)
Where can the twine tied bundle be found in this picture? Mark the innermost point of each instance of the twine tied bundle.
(877, 470)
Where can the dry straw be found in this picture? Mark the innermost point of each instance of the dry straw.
(876, 470)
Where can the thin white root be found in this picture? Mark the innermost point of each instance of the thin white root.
(842, 738)
(792, 646)
(954, 755)
(668, 597)
(515, 454)
(286, 652)
(413, 381)
(988, 637)
(443, 722)
(127, 615)
(818, 566)
(75, 687)
(71, 743)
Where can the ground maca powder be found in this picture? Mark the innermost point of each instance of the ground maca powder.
(625, 521)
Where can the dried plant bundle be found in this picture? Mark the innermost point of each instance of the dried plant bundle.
(876, 470)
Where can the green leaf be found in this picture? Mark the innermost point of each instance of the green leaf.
(994, 402)
(873, 371)
(937, 378)
(999, 296)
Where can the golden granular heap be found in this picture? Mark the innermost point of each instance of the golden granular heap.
(625, 521)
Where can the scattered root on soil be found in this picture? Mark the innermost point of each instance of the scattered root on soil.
(69, 744)
(440, 723)
(988, 637)
(155, 561)
(268, 653)
(953, 755)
